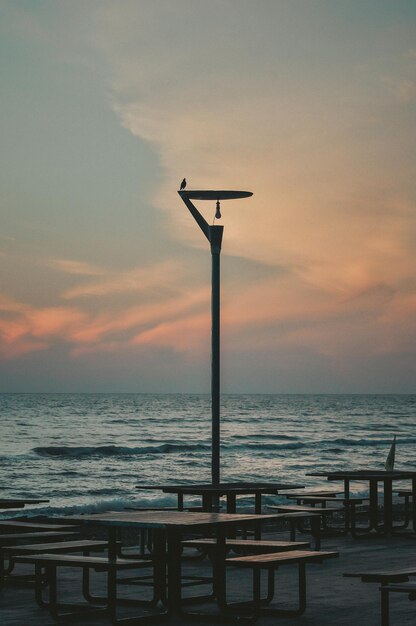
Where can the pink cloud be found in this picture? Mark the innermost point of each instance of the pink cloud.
(70, 266)
(55, 321)
(136, 280)
(183, 335)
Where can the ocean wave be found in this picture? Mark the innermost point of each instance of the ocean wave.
(330, 445)
(93, 451)
(93, 506)
(261, 436)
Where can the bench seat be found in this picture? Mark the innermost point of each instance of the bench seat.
(313, 494)
(46, 567)
(409, 588)
(35, 526)
(7, 538)
(10, 553)
(298, 508)
(391, 580)
(296, 518)
(399, 574)
(275, 559)
(317, 499)
(254, 546)
(101, 563)
(57, 547)
(271, 562)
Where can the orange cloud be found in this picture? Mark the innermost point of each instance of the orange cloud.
(54, 321)
(184, 335)
(22, 325)
(137, 280)
(70, 266)
(145, 315)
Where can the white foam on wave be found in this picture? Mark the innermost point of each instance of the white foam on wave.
(97, 506)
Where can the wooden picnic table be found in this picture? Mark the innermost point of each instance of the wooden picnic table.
(374, 478)
(168, 528)
(211, 493)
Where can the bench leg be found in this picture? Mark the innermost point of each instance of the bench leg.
(292, 523)
(104, 599)
(270, 587)
(301, 595)
(15, 580)
(302, 588)
(40, 578)
(5, 571)
(316, 531)
(258, 603)
(63, 611)
(256, 592)
(406, 520)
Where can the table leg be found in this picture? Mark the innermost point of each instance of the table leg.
(232, 508)
(257, 505)
(231, 503)
(347, 487)
(388, 506)
(373, 504)
(414, 503)
(159, 566)
(174, 572)
(180, 501)
(219, 571)
(112, 543)
(347, 509)
(207, 501)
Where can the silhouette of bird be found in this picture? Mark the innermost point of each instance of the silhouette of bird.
(183, 184)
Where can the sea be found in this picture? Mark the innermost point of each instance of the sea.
(91, 452)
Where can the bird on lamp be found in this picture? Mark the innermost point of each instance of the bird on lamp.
(183, 184)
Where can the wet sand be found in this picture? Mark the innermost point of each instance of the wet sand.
(331, 598)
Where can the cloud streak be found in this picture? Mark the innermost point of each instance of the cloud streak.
(310, 110)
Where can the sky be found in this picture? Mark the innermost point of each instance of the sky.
(105, 278)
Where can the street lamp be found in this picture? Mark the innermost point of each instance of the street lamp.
(214, 236)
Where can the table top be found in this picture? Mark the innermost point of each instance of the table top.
(18, 503)
(238, 488)
(366, 474)
(171, 519)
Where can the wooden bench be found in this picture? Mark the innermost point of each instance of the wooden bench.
(254, 546)
(296, 515)
(299, 494)
(298, 508)
(406, 494)
(79, 545)
(409, 588)
(10, 538)
(322, 499)
(10, 552)
(34, 526)
(46, 566)
(271, 562)
(385, 578)
(349, 503)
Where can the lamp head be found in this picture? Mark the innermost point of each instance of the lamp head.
(218, 212)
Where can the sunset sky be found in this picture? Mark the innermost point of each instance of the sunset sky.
(105, 278)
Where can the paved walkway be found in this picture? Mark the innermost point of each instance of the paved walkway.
(332, 599)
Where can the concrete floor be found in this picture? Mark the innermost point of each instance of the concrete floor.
(332, 599)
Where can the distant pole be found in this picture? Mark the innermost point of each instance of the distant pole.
(214, 236)
(215, 353)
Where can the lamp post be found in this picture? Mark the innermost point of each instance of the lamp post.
(214, 235)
